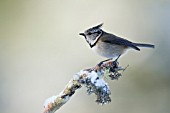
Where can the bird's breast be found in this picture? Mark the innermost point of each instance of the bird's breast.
(109, 50)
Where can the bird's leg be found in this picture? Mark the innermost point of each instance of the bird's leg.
(113, 63)
(116, 63)
(117, 58)
(97, 67)
(99, 64)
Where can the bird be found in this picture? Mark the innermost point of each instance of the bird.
(109, 45)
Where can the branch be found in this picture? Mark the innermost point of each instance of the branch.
(92, 79)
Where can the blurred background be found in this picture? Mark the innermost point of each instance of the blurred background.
(40, 51)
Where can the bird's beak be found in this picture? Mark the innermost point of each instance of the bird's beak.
(82, 34)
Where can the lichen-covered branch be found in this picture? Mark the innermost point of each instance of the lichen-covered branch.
(92, 79)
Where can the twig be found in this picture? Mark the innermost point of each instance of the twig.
(92, 79)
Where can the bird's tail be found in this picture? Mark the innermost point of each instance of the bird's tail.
(144, 45)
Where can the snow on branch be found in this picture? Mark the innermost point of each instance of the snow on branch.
(92, 79)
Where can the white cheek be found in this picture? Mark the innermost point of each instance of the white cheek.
(92, 42)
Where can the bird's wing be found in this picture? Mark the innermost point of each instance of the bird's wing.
(112, 39)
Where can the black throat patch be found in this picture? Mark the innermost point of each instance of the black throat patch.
(94, 43)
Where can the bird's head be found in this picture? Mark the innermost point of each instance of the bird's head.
(92, 34)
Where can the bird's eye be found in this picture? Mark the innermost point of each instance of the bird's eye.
(98, 32)
(89, 33)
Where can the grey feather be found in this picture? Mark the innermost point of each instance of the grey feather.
(113, 39)
(144, 45)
